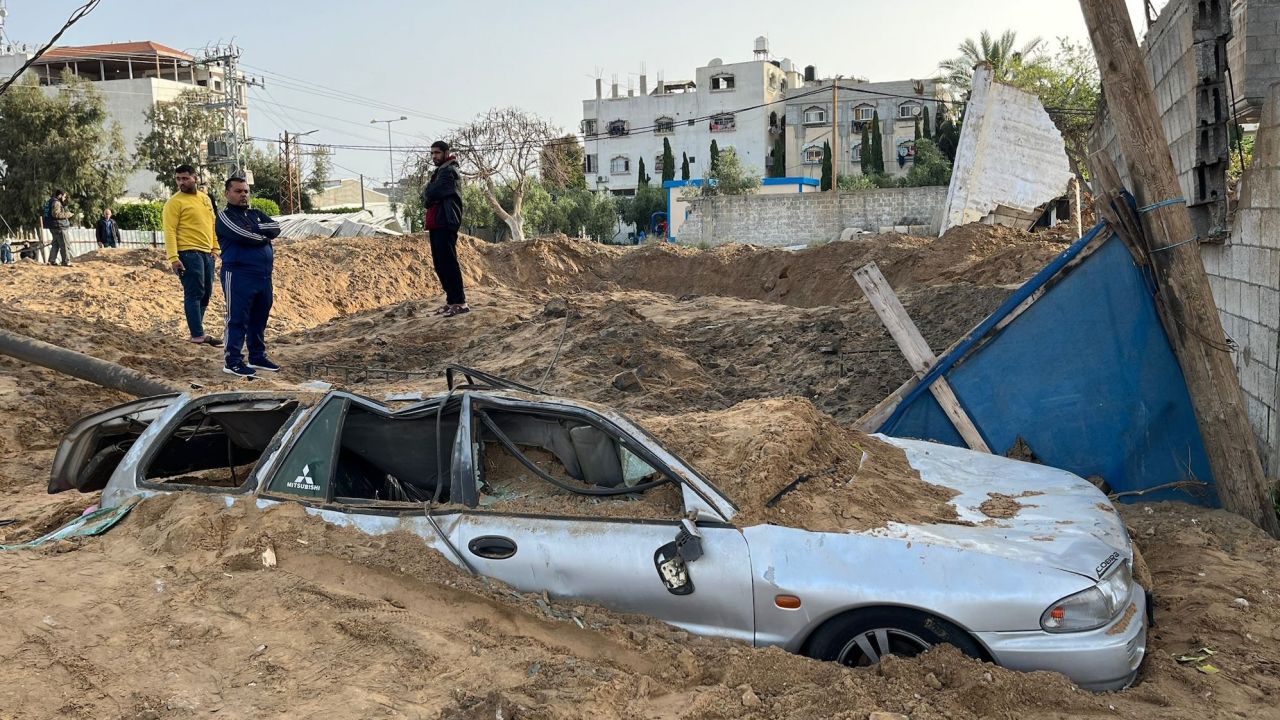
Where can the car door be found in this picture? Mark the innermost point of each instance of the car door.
(593, 553)
(92, 447)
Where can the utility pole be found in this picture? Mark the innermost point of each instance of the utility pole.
(293, 172)
(391, 162)
(362, 206)
(233, 106)
(1193, 325)
(835, 134)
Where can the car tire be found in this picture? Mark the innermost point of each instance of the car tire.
(860, 638)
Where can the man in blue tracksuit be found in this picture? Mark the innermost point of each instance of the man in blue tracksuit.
(245, 235)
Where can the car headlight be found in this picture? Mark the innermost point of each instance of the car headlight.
(1091, 608)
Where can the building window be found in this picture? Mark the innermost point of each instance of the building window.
(617, 128)
(664, 126)
(863, 112)
(723, 123)
(722, 82)
(855, 153)
(589, 127)
(658, 166)
(592, 164)
(620, 165)
(909, 110)
(813, 155)
(815, 115)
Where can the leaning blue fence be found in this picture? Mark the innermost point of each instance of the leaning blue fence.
(1084, 375)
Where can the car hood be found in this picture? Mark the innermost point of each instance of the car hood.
(1064, 521)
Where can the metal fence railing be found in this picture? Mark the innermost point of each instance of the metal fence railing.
(83, 240)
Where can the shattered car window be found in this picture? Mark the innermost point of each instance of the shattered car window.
(581, 470)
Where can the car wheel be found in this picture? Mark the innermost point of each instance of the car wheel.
(863, 637)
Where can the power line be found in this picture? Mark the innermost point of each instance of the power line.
(79, 13)
(334, 92)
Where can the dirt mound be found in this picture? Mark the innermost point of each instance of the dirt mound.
(784, 463)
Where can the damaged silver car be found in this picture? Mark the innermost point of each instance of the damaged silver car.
(549, 494)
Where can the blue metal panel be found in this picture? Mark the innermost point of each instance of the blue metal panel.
(1086, 376)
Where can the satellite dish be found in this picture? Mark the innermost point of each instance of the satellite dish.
(715, 62)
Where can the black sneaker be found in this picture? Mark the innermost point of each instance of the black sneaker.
(243, 371)
(264, 364)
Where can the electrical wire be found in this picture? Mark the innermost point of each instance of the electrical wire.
(76, 16)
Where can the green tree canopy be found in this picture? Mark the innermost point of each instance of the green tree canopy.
(180, 132)
(560, 166)
(779, 167)
(684, 166)
(931, 167)
(926, 129)
(877, 145)
(864, 152)
(61, 140)
(730, 177)
(715, 155)
(1008, 60)
(642, 178)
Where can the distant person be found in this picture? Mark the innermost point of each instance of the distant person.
(190, 242)
(245, 234)
(27, 252)
(107, 230)
(6, 252)
(58, 219)
(443, 199)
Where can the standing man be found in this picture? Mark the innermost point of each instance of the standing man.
(245, 235)
(107, 231)
(58, 220)
(190, 242)
(443, 200)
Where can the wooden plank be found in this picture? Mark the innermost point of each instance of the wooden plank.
(1195, 329)
(915, 349)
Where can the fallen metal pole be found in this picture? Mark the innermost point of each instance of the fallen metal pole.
(85, 367)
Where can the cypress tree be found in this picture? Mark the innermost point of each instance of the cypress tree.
(917, 128)
(668, 161)
(825, 182)
(641, 178)
(927, 129)
(865, 151)
(877, 145)
(715, 155)
(684, 166)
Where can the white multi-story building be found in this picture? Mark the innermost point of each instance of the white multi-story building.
(739, 105)
(132, 77)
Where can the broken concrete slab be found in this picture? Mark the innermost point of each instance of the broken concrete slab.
(1010, 160)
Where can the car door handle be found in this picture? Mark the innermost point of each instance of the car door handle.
(492, 547)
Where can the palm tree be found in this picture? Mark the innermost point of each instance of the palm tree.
(1009, 63)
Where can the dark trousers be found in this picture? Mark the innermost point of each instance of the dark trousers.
(249, 299)
(444, 257)
(197, 288)
(59, 246)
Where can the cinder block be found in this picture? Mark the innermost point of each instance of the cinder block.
(1263, 342)
(1269, 307)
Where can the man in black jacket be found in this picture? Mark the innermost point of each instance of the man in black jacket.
(107, 231)
(443, 200)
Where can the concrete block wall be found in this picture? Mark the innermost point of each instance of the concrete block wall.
(1254, 53)
(810, 217)
(1244, 274)
(1184, 65)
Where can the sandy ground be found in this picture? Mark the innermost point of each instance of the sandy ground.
(173, 615)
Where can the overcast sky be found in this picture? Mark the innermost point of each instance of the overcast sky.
(438, 62)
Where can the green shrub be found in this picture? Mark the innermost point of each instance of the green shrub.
(266, 205)
(340, 210)
(140, 216)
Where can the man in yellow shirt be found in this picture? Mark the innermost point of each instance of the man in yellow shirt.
(190, 241)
